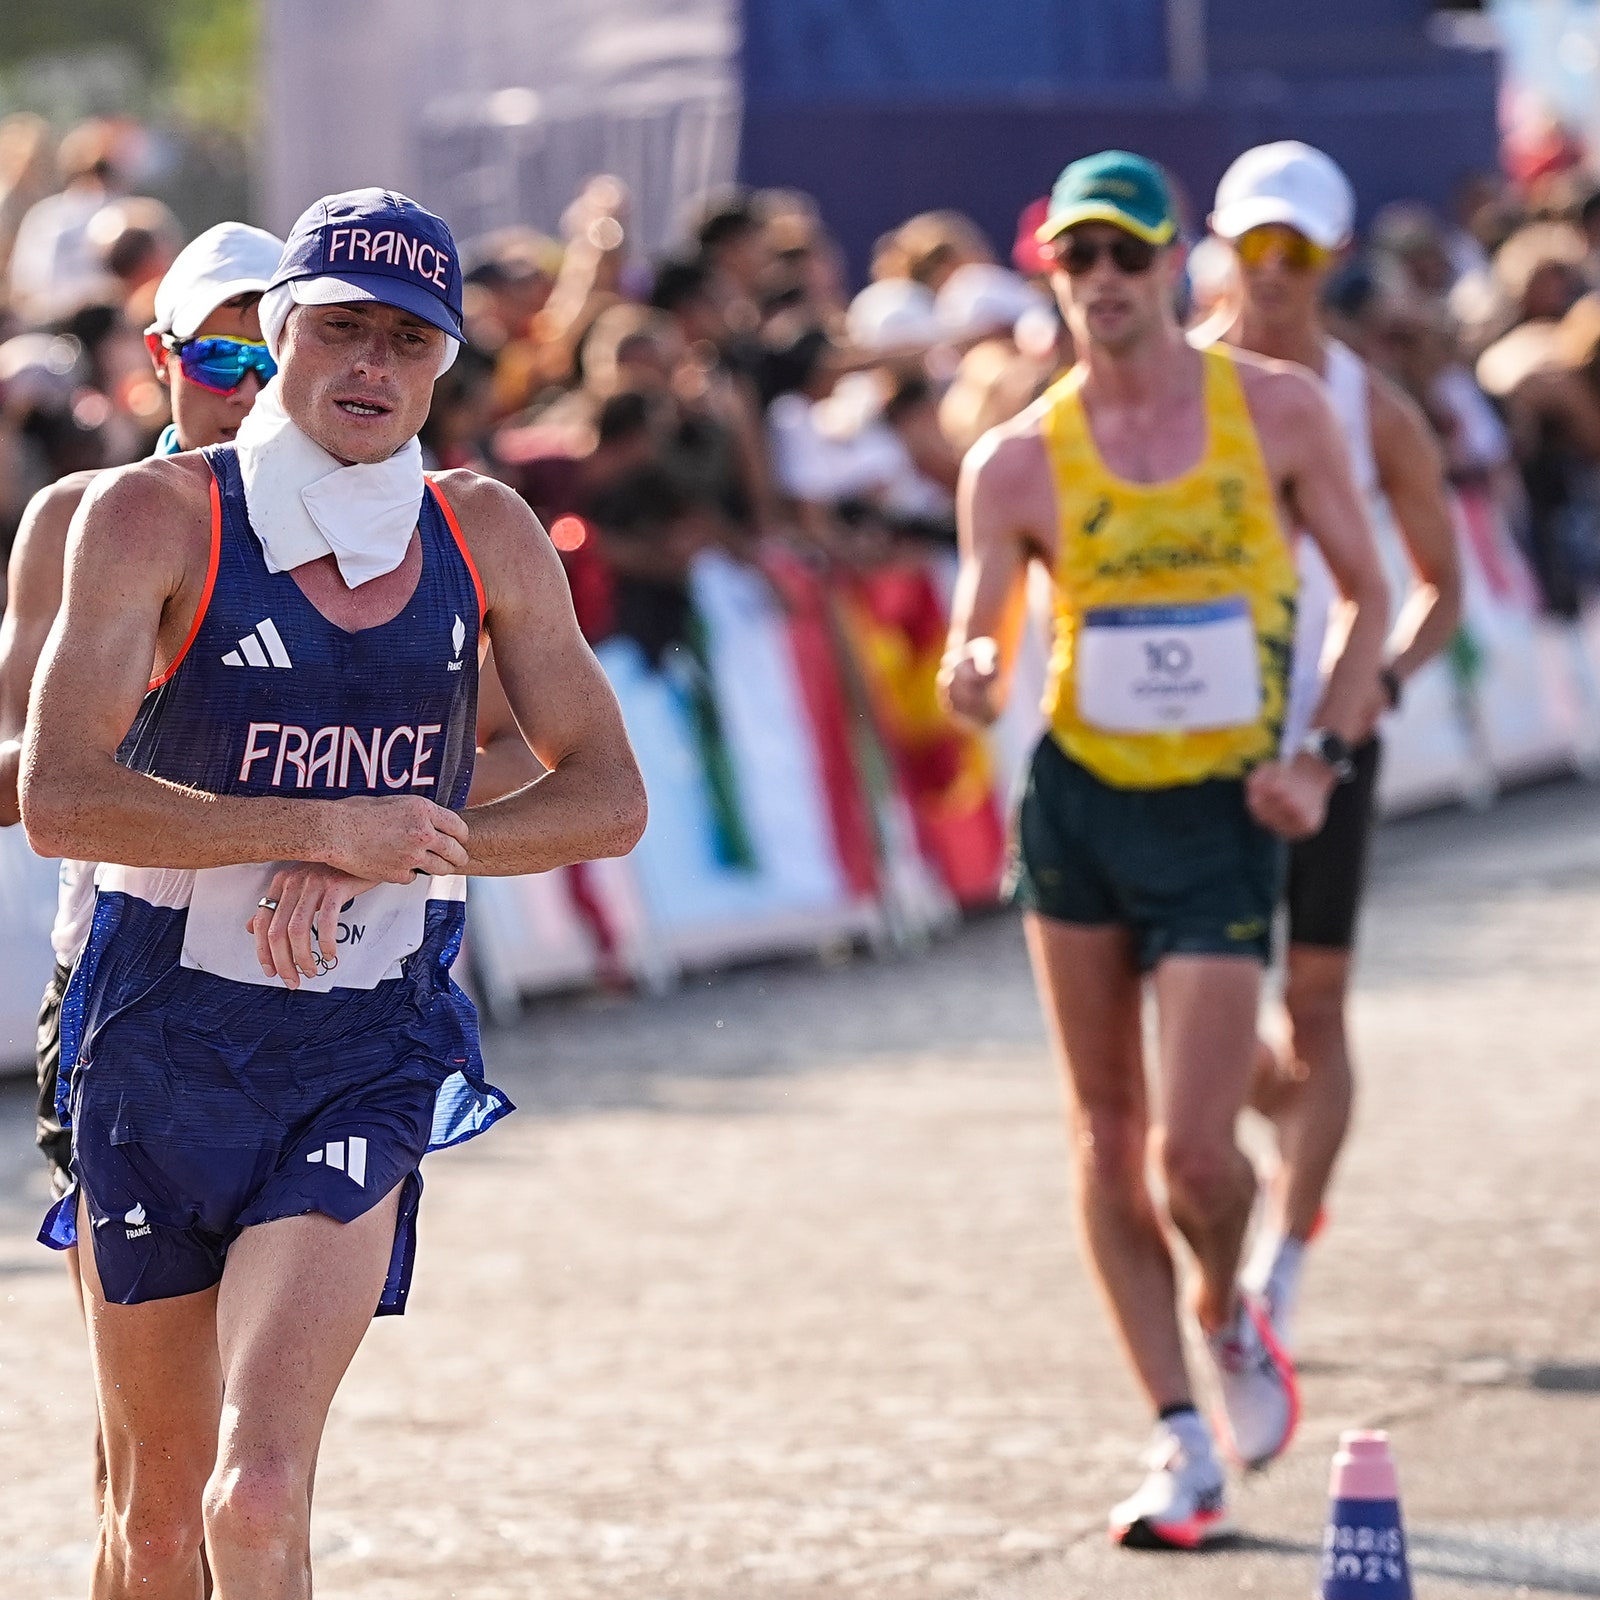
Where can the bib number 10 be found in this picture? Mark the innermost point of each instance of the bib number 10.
(1153, 669)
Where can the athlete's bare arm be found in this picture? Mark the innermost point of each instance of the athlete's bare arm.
(504, 762)
(1309, 463)
(591, 801)
(1411, 474)
(1005, 519)
(33, 584)
(136, 562)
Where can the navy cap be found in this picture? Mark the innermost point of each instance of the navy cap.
(374, 245)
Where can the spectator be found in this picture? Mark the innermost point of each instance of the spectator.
(135, 241)
(54, 267)
(594, 230)
(728, 234)
(1539, 274)
(933, 244)
(1408, 243)
(509, 279)
(461, 415)
(804, 257)
(1554, 413)
(27, 174)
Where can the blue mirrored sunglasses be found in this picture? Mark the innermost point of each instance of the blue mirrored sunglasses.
(220, 364)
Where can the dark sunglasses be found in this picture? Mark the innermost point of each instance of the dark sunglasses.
(1076, 255)
(220, 364)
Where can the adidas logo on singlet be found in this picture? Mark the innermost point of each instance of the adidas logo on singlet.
(349, 1156)
(261, 647)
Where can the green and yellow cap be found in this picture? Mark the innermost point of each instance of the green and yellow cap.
(1116, 187)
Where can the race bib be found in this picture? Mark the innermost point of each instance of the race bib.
(377, 929)
(1154, 669)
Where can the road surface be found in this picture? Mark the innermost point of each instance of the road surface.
(771, 1289)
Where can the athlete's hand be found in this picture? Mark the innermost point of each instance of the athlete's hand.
(969, 682)
(1290, 797)
(305, 925)
(392, 838)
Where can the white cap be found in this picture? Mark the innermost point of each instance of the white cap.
(892, 311)
(1286, 182)
(981, 297)
(223, 261)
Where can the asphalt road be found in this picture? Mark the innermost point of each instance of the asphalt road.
(771, 1289)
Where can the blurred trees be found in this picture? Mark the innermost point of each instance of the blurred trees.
(191, 58)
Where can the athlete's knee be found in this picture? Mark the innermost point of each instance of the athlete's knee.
(1204, 1177)
(262, 1503)
(153, 1547)
(1111, 1148)
(1316, 1007)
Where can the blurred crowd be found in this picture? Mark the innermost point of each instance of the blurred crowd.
(734, 393)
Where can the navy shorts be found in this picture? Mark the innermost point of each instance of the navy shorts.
(1187, 870)
(171, 1176)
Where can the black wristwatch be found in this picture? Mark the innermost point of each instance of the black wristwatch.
(1393, 686)
(1331, 750)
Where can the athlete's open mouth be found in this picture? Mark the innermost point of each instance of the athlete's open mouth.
(361, 408)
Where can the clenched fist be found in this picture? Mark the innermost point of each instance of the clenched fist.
(1290, 797)
(969, 682)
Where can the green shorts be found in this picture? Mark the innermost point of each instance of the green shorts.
(1187, 869)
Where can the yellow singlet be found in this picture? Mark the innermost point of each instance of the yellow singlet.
(1175, 602)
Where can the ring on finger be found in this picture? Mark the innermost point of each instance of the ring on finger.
(267, 904)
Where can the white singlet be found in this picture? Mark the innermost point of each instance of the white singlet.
(74, 910)
(1346, 377)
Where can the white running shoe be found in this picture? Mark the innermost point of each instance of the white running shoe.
(1260, 1395)
(1182, 1504)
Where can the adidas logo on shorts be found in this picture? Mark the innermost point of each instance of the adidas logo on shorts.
(348, 1156)
(261, 647)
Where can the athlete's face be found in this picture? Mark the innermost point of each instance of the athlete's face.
(1114, 290)
(1281, 276)
(202, 416)
(358, 379)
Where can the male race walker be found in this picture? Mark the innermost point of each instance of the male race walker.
(1288, 212)
(1156, 482)
(259, 704)
(207, 349)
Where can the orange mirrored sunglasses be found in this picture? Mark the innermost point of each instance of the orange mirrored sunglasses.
(1297, 252)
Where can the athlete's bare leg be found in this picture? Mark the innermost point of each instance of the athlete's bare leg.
(1314, 1116)
(1090, 984)
(99, 1487)
(159, 1390)
(296, 1298)
(1207, 1014)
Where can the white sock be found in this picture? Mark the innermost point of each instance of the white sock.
(1194, 1432)
(1283, 1282)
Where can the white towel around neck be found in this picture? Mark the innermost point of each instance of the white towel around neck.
(305, 504)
